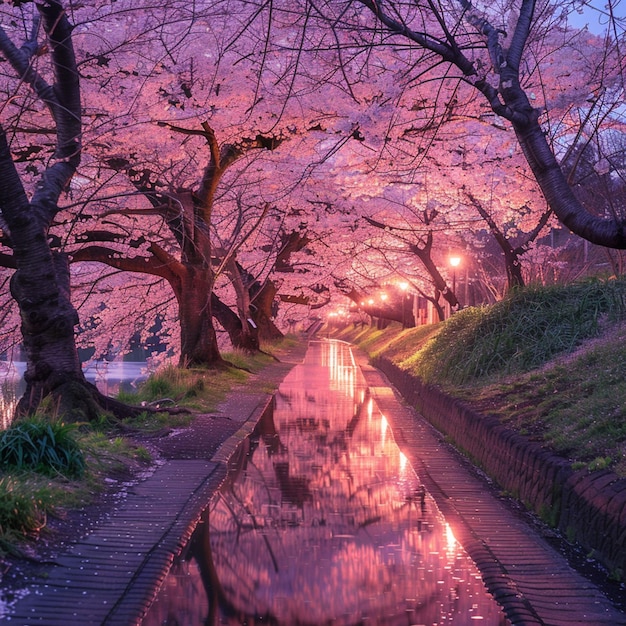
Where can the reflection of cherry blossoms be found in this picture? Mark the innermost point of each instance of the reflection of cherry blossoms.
(329, 522)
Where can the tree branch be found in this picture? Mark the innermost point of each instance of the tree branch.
(116, 259)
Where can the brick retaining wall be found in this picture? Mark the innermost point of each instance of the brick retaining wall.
(588, 507)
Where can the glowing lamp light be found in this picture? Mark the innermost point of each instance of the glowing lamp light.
(455, 261)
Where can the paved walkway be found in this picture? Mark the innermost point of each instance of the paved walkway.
(533, 582)
(111, 576)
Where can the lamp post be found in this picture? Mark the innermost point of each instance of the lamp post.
(455, 261)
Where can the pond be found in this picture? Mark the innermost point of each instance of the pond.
(322, 520)
(108, 376)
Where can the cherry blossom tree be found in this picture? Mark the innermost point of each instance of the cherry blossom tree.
(263, 294)
(187, 214)
(518, 66)
(40, 283)
(172, 92)
(488, 47)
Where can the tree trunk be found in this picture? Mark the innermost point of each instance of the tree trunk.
(248, 333)
(41, 290)
(512, 262)
(232, 325)
(423, 254)
(262, 302)
(513, 269)
(41, 282)
(198, 340)
(608, 232)
(191, 286)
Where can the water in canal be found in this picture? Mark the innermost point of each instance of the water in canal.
(323, 521)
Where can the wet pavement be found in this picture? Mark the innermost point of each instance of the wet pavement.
(354, 533)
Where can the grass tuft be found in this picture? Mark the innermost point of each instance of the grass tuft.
(23, 507)
(41, 446)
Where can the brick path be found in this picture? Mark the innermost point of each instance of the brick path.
(112, 575)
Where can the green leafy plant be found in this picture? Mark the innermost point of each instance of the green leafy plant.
(41, 446)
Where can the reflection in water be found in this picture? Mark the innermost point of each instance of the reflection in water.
(8, 402)
(323, 521)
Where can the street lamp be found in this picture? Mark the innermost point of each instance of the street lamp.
(455, 261)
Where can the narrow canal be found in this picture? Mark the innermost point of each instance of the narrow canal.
(322, 520)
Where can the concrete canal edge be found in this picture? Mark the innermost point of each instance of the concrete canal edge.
(589, 508)
(134, 601)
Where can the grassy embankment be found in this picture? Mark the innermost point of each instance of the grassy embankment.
(548, 362)
(48, 467)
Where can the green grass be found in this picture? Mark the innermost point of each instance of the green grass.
(400, 342)
(24, 507)
(577, 407)
(32, 492)
(522, 332)
(199, 389)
